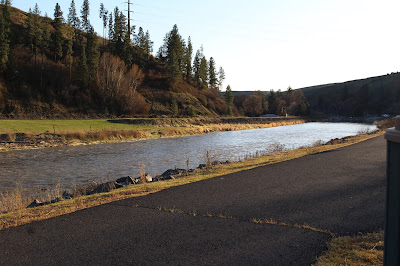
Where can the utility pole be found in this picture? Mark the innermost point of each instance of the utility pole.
(129, 18)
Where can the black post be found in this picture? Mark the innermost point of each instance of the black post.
(392, 221)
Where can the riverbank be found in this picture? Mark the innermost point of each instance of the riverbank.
(33, 134)
(22, 215)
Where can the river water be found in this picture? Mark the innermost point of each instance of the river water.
(44, 168)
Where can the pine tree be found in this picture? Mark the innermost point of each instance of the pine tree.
(35, 30)
(188, 59)
(174, 107)
(73, 20)
(58, 32)
(5, 31)
(148, 43)
(203, 73)
(127, 52)
(272, 102)
(213, 81)
(143, 41)
(175, 53)
(110, 30)
(93, 54)
(85, 12)
(104, 15)
(229, 100)
(46, 36)
(196, 65)
(119, 31)
(69, 58)
(139, 38)
(82, 67)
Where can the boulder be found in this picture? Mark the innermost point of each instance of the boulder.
(56, 200)
(125, 181)
(66, 195)
(105, 187)
(177, 171)
(166, 177)
(35, 203)
(149, 179)
(202, 166)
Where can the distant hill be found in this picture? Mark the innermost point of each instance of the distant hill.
(370, 96)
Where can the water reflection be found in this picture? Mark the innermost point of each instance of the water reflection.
(82, 164)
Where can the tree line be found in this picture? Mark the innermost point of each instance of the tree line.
(73, 66)
(70, 44)
(289, 102)
(181, 64)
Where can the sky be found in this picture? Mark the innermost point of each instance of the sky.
(270, 44)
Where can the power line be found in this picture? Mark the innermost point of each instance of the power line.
(129, 17)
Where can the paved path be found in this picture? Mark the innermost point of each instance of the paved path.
(342, 191)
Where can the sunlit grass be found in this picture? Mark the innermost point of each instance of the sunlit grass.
(357, 250)
(64, 126)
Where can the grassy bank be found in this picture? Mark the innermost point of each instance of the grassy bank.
(17, 134)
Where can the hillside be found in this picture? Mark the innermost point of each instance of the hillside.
(371, 96)
(88, 76)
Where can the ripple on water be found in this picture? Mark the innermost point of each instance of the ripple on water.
(82, 164)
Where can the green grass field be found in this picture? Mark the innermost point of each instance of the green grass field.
(64, 126)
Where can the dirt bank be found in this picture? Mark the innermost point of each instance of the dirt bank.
(160, 128)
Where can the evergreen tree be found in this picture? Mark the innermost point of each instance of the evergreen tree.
(69, 58)
(58, 31)
(213, 81)
(203, 73)
(85, 12)
(5, 31)
(35, 30)
(148, 43)
(104, 15)
(139, 38)
(175, 53)
(82, 67)
(196, 65)
(110, 30)
(118, 33)
(264, 103)
(127, 51)
(46, 36)
(73, 20)
(142, 40)
(229, 100)
(188, 59)
(174, 107)
(93, 54)
(272, 102)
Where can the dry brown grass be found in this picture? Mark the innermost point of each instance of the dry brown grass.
(385, 123)
(358, 250)
(71, 135)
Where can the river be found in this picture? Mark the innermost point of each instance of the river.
(79, 165)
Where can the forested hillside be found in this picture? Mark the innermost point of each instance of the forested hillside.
(371, 96)
(60, 68)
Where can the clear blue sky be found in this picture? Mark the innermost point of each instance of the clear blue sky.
(270, 44)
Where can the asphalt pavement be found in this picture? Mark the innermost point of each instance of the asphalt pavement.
(210, 222)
